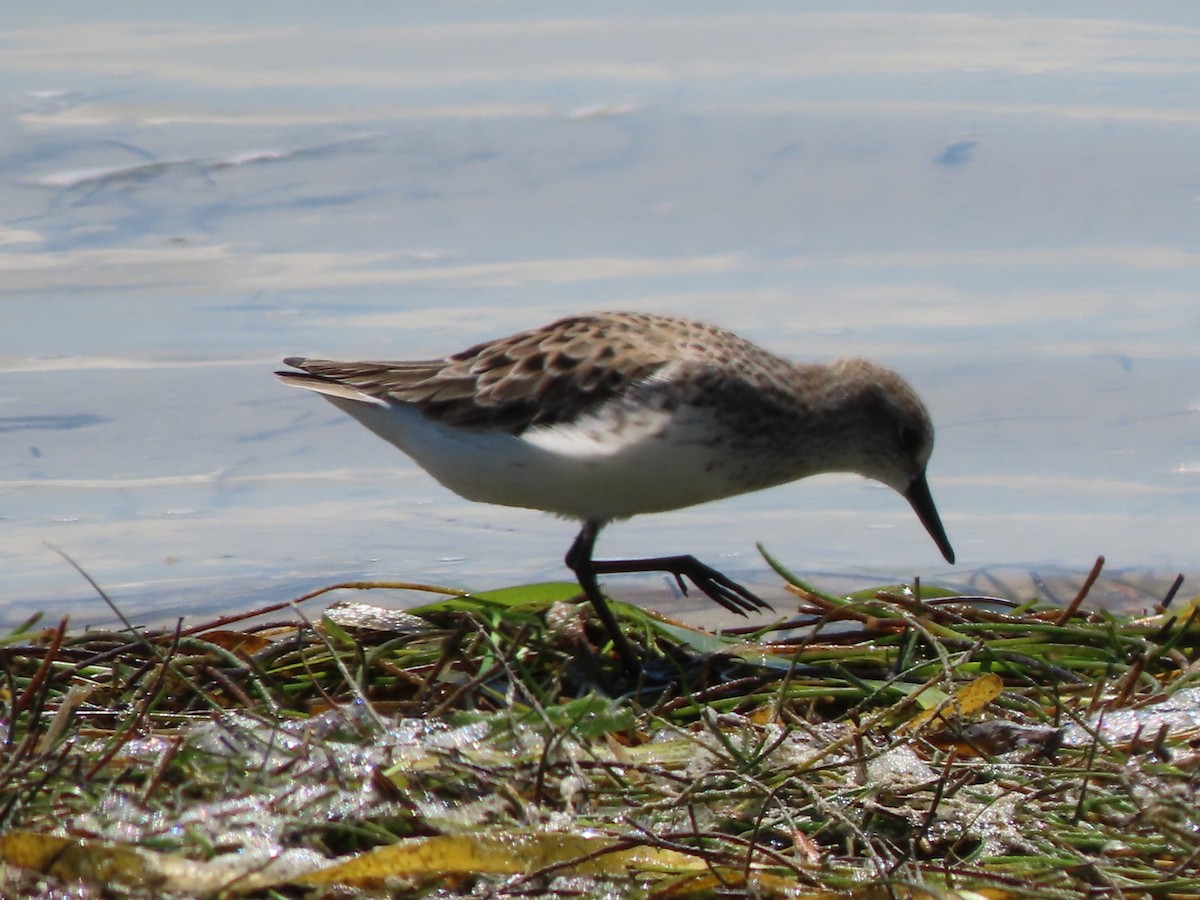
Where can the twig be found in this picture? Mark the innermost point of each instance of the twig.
(1172, 591)
(1074, 605)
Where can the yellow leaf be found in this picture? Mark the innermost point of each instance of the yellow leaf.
(966, 701)
(500, 853)
(72, 859)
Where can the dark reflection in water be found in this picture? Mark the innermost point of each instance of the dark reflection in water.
(61, 422)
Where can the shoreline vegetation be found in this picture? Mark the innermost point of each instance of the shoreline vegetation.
(904, 741)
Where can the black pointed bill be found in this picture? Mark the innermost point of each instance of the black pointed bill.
(922, 503)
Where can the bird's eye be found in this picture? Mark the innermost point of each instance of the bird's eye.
(910, 439)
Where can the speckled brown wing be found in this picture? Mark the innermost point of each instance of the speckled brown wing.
(540, 377)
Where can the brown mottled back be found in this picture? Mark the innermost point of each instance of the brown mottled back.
(543, 376)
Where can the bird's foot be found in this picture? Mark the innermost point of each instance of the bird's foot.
(717, 586)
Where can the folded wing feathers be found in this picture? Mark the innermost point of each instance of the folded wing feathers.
(529, 380)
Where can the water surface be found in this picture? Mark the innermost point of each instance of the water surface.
(1003, 205)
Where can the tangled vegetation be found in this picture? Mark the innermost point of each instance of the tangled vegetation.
(899, 742)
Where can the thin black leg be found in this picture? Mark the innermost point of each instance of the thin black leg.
(579, 560)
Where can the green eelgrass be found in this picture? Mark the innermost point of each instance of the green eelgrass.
(769, 760)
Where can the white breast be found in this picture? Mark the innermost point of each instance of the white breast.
(611, 465)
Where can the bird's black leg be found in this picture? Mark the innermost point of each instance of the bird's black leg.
(725, 591)
(579, 560)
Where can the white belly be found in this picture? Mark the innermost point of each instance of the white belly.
(654, 461)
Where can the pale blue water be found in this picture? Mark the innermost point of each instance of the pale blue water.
(1004, 205)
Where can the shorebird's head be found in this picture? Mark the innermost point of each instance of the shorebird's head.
(894, 439)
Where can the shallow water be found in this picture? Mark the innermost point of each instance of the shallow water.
(1003, 205)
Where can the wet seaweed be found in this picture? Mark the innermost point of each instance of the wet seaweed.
(901, 741)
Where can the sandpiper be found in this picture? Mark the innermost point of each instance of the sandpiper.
(604, 416)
